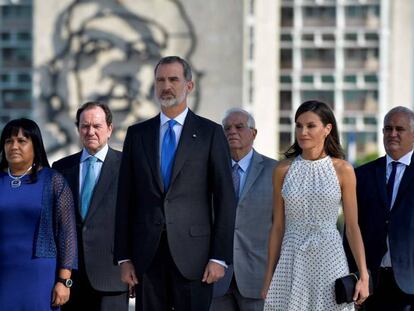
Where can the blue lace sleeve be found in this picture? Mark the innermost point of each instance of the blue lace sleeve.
(64, 223)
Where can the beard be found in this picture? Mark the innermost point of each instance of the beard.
(170, 102)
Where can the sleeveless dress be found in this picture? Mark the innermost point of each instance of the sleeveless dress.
(26, 281)
(312, 256)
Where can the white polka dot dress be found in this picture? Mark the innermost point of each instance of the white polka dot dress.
(312, 256)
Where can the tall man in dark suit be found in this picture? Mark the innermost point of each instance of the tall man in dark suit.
(240, 288)
(385, 193)
(92, 175)
(176, 203)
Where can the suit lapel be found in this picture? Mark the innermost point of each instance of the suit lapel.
(72, 177)
(380, 172)
(106, 177)
(407, 178)
(150, 145)
(253, 172)
(185, 145)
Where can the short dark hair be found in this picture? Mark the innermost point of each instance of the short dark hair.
(30, 130)
(176, 59)
(332, 144)
(89, 105)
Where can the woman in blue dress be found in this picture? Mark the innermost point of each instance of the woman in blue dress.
(37, 224)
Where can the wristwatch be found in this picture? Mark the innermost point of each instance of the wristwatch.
(67, 282)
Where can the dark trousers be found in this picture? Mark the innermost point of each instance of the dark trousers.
(84, 297)
(234, 301)
(163, 288)
(388, 296)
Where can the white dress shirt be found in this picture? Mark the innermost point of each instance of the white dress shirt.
(404, 162)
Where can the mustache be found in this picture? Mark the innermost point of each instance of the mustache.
(163, 93)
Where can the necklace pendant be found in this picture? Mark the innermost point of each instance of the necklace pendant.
(15, 183)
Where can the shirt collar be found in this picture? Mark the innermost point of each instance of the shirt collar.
(245, 161)
(101, 154)
(180, 118)
(405, 159)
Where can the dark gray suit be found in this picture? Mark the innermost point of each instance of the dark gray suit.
(253, 222)
(200, 188)
(96, 232)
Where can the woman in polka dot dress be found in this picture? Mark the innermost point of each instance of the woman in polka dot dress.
(305, 247)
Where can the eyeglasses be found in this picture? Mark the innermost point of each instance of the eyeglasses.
(238, 127)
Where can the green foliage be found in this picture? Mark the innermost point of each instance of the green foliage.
(367, 158)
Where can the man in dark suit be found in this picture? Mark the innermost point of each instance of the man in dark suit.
(240, 288)
(176, 203)
(385, 193)
(92, 175)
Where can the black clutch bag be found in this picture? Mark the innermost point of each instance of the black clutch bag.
(345, 287)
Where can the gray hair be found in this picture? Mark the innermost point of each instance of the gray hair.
(250, 120)
(400, 109)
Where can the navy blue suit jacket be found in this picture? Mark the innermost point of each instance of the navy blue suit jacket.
(377, 221)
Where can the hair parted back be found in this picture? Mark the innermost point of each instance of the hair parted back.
(332, 145)
(29, 130)
(251, 123)
(90, 105)
(400, 109)
(176, 59)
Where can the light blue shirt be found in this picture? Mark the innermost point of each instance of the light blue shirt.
(405, 160)
(244, 164)
(100, 155)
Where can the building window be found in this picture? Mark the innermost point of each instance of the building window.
(319, 16)
(327, 79)
(361, 100)
(285, 120)
(286, 37)
(285, 141)
(287, 17)
(251, 7)
(286, 58)
(350, 79)
(24, 36)
(324, 96)
(371, 78)
(251, 86)
(318, 58)
(285, 79)
(24, 78)
(5, 36)
(307, 79)
(251, 42)
(285, 100)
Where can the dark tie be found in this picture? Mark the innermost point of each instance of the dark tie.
(391, 181)
(167, 154)
(236, 179)
(88, 185)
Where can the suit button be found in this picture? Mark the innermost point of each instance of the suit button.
(387, 222)
(84, 228)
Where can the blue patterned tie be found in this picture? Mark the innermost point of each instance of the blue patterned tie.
(167, 154)
(236, 179)
(391, 181)
(88, 185)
